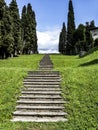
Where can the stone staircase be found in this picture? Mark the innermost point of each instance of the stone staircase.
(40, 99)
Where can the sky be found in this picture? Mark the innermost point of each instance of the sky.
(50, 14)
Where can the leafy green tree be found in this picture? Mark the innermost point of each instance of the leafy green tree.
(96, 42)
(70, 29)
(79, 38)
(62, 40)
(14, 12)
(89, 39)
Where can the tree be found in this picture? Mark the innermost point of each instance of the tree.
(96, 42)
(14, 12)
(62, 40)
(6, 39)
(29, 30)
(79, 38)
(92, 24)
(89, 39)
(24, 27)
(70, 29)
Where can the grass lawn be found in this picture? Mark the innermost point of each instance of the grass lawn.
(79, 86)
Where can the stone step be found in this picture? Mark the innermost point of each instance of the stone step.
(42, 103)
(40, 83)
(39, 77)
(44, 76)
(44, 65)
(45, 68)
(41, 80)
(56, 73)
(40, 89)
(41, 97)
(42, 92)
(38, 119)
(40, 108)
(39, 114)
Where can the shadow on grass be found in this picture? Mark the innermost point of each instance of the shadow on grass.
(90, 63)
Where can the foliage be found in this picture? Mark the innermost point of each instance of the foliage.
(70, 29)
(62, 40)
(16, 30)
(29, 36)
(96, 42)
(17, 35)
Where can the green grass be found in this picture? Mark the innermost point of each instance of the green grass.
(80, 89)
(79, 86)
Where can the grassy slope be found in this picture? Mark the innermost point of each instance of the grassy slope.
(80, 88)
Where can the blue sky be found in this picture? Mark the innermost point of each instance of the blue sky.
(50, 14)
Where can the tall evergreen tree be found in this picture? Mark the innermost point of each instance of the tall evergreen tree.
(24, 27)
(70, 29)
(14, 12)
(6, 39)
(2, 9)
(29, 30)
(62, 40)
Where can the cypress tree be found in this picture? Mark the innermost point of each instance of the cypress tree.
(29, 30)
(62, 40)
(14, 12)
(7, 37)
(2, 9)
(24, 27)
(70, 29)
(32, 29)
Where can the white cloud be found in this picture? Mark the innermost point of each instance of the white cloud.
(48, 40)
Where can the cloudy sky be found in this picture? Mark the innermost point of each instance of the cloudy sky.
(50, 14)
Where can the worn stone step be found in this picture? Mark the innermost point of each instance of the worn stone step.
(42, 77)
(41, 83)
(41, 97)
(41, 80)
(41, 100)
(38, 119)
(37, 103)
(41, 89)
(42, 92)
(56, 73)
(39, 114)
(40, 108)
(46, 65)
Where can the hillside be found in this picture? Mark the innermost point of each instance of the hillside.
(79, 86)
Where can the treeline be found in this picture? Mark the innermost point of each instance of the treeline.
(17, 34)
(72, 41)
